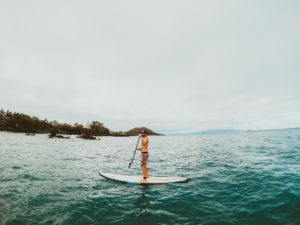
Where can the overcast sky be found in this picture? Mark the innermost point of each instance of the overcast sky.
(173, 66)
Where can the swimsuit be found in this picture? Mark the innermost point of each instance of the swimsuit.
(144, 158)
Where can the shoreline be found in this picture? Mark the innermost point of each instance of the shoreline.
(23, 123)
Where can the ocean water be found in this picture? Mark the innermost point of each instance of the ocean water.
(244, 178)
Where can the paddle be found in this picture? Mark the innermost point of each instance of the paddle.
(134, 152)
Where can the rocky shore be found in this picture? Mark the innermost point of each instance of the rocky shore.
(22, 123)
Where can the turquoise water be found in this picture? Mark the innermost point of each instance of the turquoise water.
(245, 178)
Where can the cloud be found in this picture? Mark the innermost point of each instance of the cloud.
(171, 65)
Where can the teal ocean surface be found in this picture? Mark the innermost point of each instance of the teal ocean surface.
(241, 178)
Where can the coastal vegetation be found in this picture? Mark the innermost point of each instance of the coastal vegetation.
(20, 122)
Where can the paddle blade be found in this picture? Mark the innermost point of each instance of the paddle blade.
(129, 165)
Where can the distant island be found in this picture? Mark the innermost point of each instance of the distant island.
(224, 131)
(230, 131)
(22, 123)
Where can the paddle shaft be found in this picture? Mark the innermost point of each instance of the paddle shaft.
(134, 152)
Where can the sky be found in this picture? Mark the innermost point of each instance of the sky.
(172, 66)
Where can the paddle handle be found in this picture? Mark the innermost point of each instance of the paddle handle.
(134, 152)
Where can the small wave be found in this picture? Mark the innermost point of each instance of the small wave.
(28, 176)
(16, 167)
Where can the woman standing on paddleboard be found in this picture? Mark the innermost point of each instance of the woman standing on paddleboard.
(144, 153)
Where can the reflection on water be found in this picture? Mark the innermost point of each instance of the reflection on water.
(143, 202)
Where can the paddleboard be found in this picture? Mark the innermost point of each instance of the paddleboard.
(139, 179)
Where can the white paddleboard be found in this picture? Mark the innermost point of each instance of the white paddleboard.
(139, 179)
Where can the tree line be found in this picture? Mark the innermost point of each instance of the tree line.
(20, 122)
